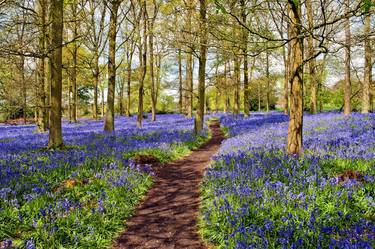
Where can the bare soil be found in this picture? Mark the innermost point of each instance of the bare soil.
(167, 218)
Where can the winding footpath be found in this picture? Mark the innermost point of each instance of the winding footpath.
(167, 218)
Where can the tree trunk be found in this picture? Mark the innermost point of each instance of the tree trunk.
(245, 35)
(180, 88)
(129, 79)
(368, 67)
(294, 145)
(189, 62)
(103, 102)
(286, 80)
(121, 96)
(237, 80)
(24, 89)
(199, 121)
(109, 124)
(310, 54)
(41, 75)
(42, 117)
(152, 73)
(56, 34)
(74, 69)
(96, 83)
(347, 85)
(259, 97)
(69, 101)
(143, 66)
(268, 81)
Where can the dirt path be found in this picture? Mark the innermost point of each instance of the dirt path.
(168, 216)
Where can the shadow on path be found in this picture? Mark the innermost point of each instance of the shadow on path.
(167, 218)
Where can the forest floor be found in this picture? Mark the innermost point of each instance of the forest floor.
(167, 218)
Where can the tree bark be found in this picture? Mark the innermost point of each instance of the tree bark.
(268, 81)
(237, 82)
(245, 35)
(129, 79)
(199, 121)
(41, 74)
(74, 69)
(24, 89)
(294, 145)
(109, 124)
(347, 84)
(189, 63)
(368, 67)
(56, 34)
(152, 72)
(96, 82)
(180, 88)
(286, 80)
(121, 96)
(310, 54)
(143, 65)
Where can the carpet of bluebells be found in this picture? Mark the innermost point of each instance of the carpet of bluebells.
(256, 196)
(79, 197)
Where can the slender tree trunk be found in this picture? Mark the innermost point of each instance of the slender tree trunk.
(259, 97)
(69, 100)
(103, 101)
(96, 83)
(237, 79)
(74, 69)
(143, 66)
(189, 66)
(294, 145)
(199, 121)
(24, 89)
(347, 85)
(268, 81)
(152, 72)
(41, 74)
(286, 80)
(180, 88)
(56, 34)
(245, 61)
(368, 67)
(109, 124)
(121, 97)
(310, 54)
(129, 79)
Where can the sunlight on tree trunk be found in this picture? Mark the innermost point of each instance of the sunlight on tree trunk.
(347, 83)
(109, 124)
(199, 120)
(56, 34)
(237, 82)
(368, 66)
(294, 145)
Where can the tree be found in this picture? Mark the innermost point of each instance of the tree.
(55, 63)
(294, 144)
(142, 46)
(310, 54)
(95, 42)
(41, 67)
(73, 88)
(199, 120)
(151, 35)
(368, 66)
(189, 60)
(180, 82)
(347, 85)
(109, 124)
(245, 62)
